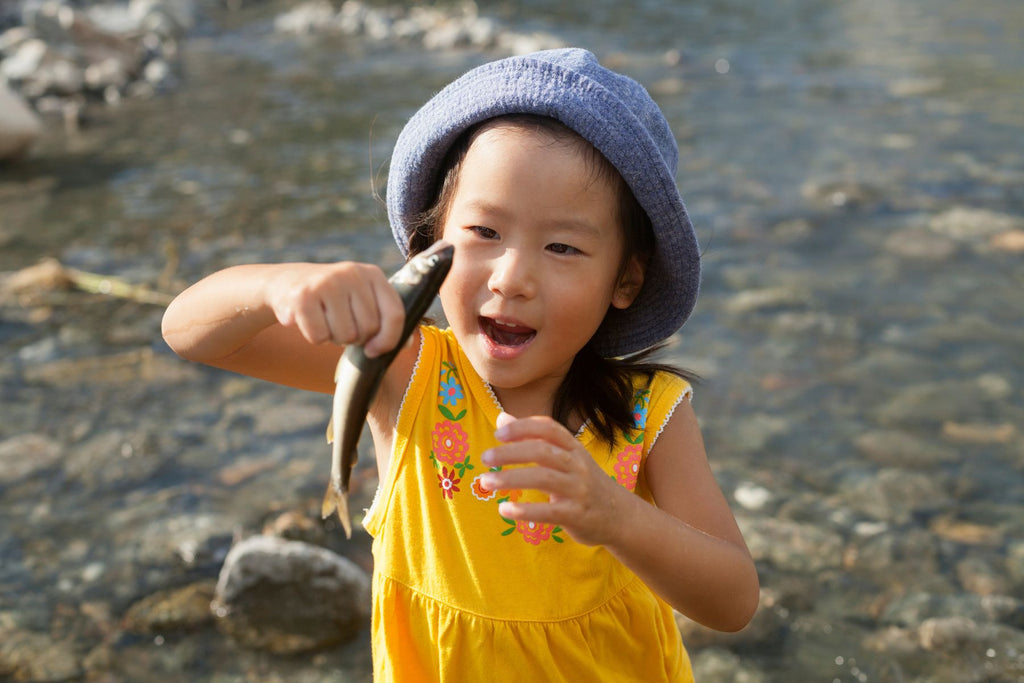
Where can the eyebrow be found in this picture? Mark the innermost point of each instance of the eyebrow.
(563, 223)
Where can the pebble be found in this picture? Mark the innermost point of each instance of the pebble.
(30, 656)
(968, 223)
(792, 546)
(27, 454)
(175, 609)
(433, 28)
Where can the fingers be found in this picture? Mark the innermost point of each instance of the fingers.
(343, 303)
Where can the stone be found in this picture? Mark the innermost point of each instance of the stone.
(967, 223)
(27, 454)
(899, 448)
(895, 494)
(716, 665)
(31, 656)
(289, 597)
(793, 546)
(176, 609)
(766, 629)
(19, 125)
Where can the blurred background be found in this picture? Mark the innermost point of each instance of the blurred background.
(855, 172)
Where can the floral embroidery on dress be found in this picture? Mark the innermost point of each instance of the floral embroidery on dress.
(627, 465)
(627, 462)
(448, 482)
(450, 453)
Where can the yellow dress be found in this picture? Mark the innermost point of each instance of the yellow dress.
(462, 594)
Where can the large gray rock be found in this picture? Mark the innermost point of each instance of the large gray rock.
(289, 596)
(19, 126)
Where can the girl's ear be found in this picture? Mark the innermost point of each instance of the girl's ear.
(630, 282)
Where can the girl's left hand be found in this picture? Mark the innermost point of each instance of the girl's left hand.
(583, 499)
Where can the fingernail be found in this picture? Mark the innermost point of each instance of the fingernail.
(487, 457)
(504, 419)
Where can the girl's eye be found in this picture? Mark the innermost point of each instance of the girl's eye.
(560, 248)
(485, 233)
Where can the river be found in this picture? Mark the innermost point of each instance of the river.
(855, 172)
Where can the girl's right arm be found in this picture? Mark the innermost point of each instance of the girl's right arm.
(287, 322)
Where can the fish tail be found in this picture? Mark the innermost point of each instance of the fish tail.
(335, 499)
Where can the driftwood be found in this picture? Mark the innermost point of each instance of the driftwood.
(38, 284)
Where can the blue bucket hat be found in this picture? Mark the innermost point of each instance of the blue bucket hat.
(612, 112)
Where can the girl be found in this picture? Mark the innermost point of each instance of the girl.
(545, 500)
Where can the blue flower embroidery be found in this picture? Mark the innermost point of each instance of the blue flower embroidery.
(450, 392)
(642, 398)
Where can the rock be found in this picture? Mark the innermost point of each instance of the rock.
(296, 525)
(914, 608)
(721, 666)
(289, 596)
(982, 577)
(793, 546)
(177, 609)
(30, 656)
(1015, 561)
(898, 448)
(766, 629)
(752, 496)
(26, 454)
(979, 433)
(891, 552)
(895, 494)
(967, 223)
(1011, 241)
(19, 126)
(921, 244)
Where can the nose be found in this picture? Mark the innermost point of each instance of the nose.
(513, 275)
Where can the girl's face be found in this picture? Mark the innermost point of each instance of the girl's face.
(538, 255)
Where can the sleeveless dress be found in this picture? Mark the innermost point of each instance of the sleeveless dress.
(463, 594)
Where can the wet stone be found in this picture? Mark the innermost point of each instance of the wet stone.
(766, 629)
(717, 665)
(289, 597)
(25, 455)
(895, 494)
(899, 448)
(792, 546)
(967, 223)
(30, 656)
(177, 609)
(982, 576)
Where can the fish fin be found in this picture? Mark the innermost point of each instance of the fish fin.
(337, 500)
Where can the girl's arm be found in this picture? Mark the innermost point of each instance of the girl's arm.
(688, 549)
(287, 322)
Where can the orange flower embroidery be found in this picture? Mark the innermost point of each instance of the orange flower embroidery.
(628, 466)
(510, 494)
(534, 532)
(450, 442)
(479, 491)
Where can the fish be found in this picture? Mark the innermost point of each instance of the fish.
(357, 377)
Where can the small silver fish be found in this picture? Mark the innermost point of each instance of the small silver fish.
(357, 377)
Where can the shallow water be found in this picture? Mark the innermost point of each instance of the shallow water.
(856, 176)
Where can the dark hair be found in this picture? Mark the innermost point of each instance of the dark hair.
(599, 389)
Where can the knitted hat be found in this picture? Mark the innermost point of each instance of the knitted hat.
(616, 115)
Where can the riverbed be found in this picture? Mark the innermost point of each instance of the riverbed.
(855, 173)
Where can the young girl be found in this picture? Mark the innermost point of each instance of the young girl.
(545, 500)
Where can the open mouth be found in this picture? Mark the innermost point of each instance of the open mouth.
(506, 334)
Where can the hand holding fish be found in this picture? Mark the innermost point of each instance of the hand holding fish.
(358, 375)
(344, 303)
